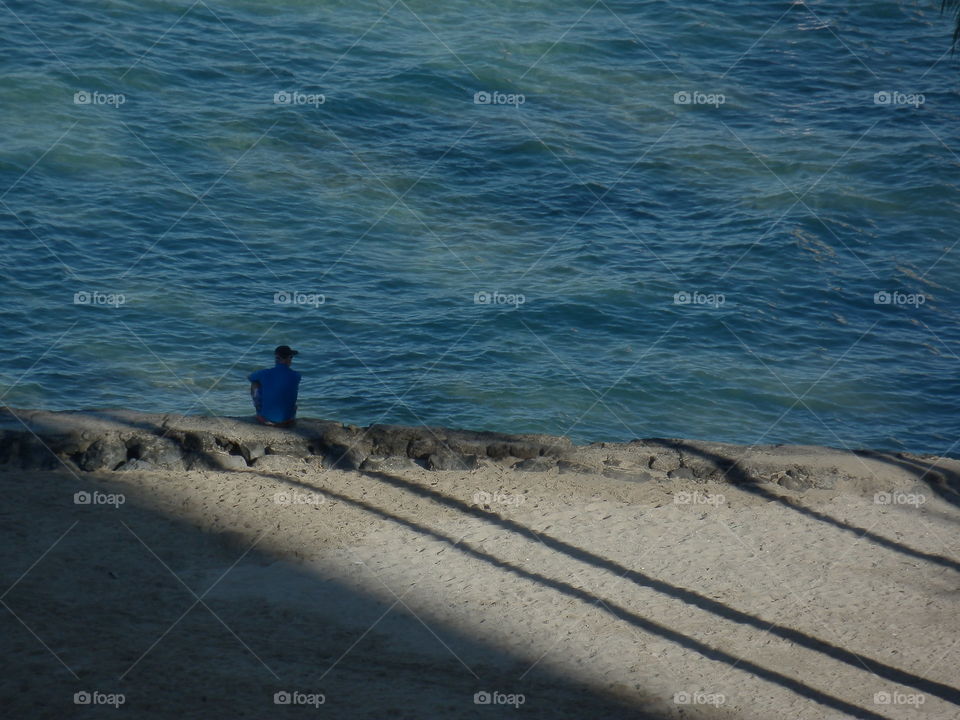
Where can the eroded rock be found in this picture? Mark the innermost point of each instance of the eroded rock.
(628, 474)
(451, 461)
(389, 464)
(107, 440)
(105, 453)
(566, 467)
(535, 464)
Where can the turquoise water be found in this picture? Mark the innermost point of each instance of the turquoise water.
(782, 189)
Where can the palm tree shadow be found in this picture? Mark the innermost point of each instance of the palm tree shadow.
(736, 475)
(691, 597)
(945, 483)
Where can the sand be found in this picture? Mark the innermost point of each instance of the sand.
(404, 593)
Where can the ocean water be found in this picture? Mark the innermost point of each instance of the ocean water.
(730, 220)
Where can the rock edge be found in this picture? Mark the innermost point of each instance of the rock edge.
(120, 440)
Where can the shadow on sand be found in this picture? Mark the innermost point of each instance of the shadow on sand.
(194, 624)
(330, 618)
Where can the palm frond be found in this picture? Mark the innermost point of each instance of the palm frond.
(953, 6)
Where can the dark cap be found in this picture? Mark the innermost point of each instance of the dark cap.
(285, 351)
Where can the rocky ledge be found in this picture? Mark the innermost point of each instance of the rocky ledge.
(118, 440)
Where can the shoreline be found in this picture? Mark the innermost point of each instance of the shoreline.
(108, 440)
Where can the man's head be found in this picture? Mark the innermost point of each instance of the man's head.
(284, 354)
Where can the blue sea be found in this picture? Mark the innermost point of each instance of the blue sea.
(729, 220)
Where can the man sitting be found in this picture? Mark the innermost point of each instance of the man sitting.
(274, 390)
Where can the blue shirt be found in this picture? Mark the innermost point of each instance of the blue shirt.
(278, 392)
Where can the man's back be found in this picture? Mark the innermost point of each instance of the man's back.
(278, 392)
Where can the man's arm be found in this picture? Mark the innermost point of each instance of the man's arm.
(255, 394)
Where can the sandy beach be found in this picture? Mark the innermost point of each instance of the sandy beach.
(287, 586)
